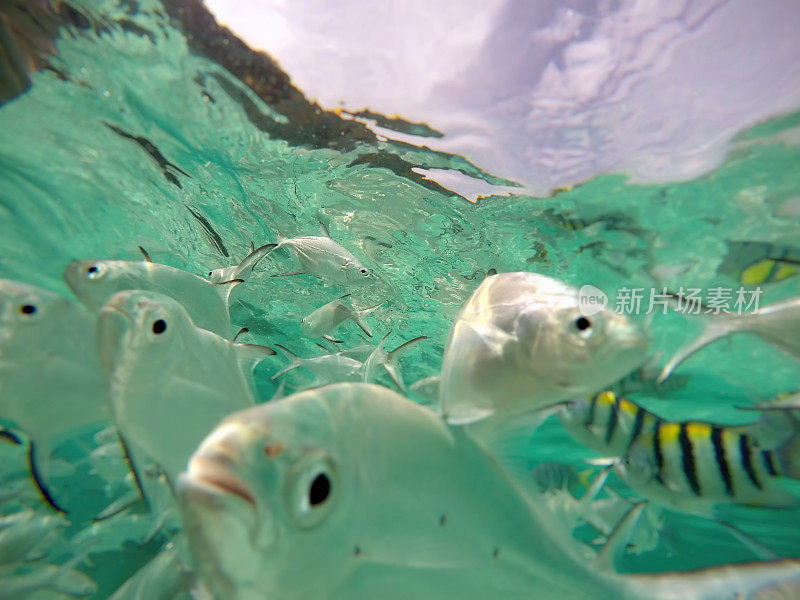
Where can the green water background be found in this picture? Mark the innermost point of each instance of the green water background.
(73, 188)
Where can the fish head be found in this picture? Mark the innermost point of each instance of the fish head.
(262, 502)
(25, 306)
(521, 343)
(94, 281)
(575, 413)
(140, 332)
(31, 317)
(357, 274)
(638, 468)
(578, 353)
(222, 274)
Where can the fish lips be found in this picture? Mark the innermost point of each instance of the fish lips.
(112, 326)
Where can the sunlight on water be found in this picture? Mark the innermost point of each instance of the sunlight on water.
(135, 136)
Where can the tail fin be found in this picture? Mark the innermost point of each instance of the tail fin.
(293, 364)
(358, 318)
(392, 365)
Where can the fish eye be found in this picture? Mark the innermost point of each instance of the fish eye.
(584, 327)
(210, 274)
(159, 326)
(320, 490)
(364, 272)
(27, 309)
(95, 271)
(311, 489)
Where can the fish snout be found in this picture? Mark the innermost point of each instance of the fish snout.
(216, 464)
(112, 327)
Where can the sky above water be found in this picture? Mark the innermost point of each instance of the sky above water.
(546, 93)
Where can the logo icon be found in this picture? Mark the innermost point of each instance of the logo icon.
(591, 300)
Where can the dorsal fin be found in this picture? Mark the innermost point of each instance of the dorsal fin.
(324, 230)
(280, 391)
(249, 355)
(256, 256)
(145, 254)
(224, 288)
(394, 354)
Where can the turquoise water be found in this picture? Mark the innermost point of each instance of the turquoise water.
(132, 133)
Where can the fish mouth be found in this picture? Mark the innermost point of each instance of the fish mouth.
(214, 476)
(112, 327)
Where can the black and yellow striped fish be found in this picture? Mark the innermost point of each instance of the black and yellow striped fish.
(757, 263)
(693, 466)
(690, 465)
(606, 422)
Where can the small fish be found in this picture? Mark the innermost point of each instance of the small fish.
(759, 263)
(553, 475)
(521, 344)
(554, 481)
(51, 380)
(328, 367)
(26, 532)
(352, 492)
(322, 257)
(777, 324)
(25, 580)
(244, 269)
(94, 282)
(169, 380)
(694, 466)
(380, 357)
(163, 578)
(211, 234)
(324, 321)
(606, 422)
(611, 424)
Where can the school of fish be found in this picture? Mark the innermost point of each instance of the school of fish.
(357, 485)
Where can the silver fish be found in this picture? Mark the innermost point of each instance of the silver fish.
(169, 380)
(381, 357)
(244, 269)
(352, 492)
(327, 318)
(521, 343)
(26, 531)
(319, 255)
(603, 514)
(165, 577)
(94, 282)
(51, 380)
(328, 367)
(778, 324)
(27, 579)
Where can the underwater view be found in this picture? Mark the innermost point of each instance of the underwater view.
(433, 302)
